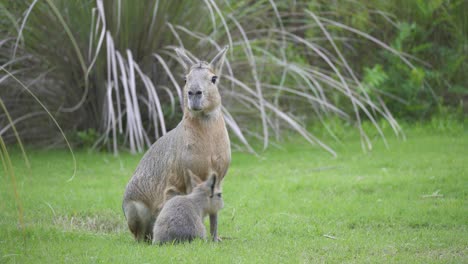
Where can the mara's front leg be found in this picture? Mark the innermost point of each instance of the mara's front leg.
(214, 227)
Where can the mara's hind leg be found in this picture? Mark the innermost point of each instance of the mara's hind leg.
(139, 220)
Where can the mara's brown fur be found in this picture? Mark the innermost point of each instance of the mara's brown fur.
(199, 144)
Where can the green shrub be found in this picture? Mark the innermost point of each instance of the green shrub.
(289, 64)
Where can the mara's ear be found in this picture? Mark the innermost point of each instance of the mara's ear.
(186, 61)
(218, 60)
(191, 181)
(210, 183)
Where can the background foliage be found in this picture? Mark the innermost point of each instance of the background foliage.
(107, 72)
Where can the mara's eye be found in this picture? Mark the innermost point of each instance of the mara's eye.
(219, 195)
(213, 79)
(185, 79)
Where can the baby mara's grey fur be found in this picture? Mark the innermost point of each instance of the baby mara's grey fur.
(200, 143)
(181, 218)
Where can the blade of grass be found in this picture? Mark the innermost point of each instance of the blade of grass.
(253, 66)
(78, 54)
(174, 82)
(50, 115)
(20, 32)
(9, 170)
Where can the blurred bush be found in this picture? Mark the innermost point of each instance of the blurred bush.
(432, 32)
(95, 65)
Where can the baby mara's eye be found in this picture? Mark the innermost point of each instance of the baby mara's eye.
(213, 79)
(217, 195)
(185, 79)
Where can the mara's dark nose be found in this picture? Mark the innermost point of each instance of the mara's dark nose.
(197, 93)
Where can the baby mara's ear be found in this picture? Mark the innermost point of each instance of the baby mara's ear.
(211, 183)
(191, 181)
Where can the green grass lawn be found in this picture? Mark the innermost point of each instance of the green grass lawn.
(406, 204)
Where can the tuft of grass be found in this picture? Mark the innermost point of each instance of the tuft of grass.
(294, 204)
